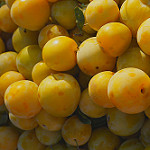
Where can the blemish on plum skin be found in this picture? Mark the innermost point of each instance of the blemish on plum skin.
(97, 67)
(132, 74)
(60, 93)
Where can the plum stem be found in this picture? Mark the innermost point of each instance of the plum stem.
(77, 144)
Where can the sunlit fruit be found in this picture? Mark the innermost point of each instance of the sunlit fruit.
(59, 94)
(59, 53)
(31, 15)
(91, 58)
(25, 104)
(129, 90)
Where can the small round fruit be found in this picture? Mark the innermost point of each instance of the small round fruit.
(115, 38)
(74, 131)
(8, 138)
(88, 107)
(6, 22)
(2, 46)
(91, 58)
(129, 90)
(23, 124)
(7, 79)
(145, 133)
(31, 15)
(131, 144)
(59, 53)
(63, 13)
(133, 18)
(123, 124)
(97, 88)
(50, 31)
(103, 139)
(40, 71)
(59, 94)
(134, 57)
(47, 137)
(49, 122)
(22, 38)
(100, 12)
(29, 141)
(143, 34)
(8, 62)
(147, 148)
(27, 58)
(25, 104)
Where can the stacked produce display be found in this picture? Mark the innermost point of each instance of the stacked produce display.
(74, 75)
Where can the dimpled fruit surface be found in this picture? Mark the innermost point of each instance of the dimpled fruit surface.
(103, 139)
(49, 122)
(23, 124)
(115, 38)
(129, 90)
(59, 94)
(24, 104)
(123, 124)
(29, 141)
(97, 88)
(101, 12)
(74, 131)
(31, 15)
(47, 137)
(91, 58)
(59, 53)
(8, 138)
(8, 78)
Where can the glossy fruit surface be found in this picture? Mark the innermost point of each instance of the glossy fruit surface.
(129, 90)
(29, 10)
(101, 12)
(98, 86)
(59, 53)
(6, 22)
(115, 38)
(25, 104)
(91, 58)
(59, 94)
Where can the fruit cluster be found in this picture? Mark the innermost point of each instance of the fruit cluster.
(74, 75)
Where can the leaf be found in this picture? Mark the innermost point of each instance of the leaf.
(79, 18)
(2, 3)
(83, 118)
